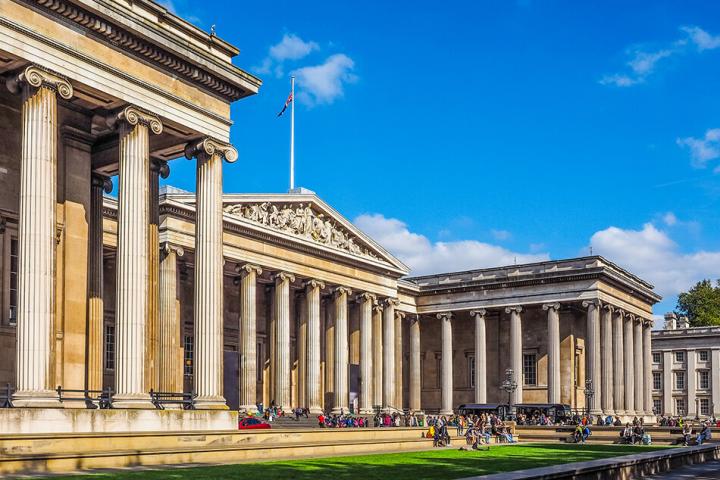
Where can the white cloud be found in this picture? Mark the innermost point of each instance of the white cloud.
(324, 83)
(501, 234)
(426, 257)
(643, 63)
(702, 150)
(651, 254)
(670, 219)
(290, 48)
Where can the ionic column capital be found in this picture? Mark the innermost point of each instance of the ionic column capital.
(514, 309)
(209, 146)
(480, 312)
(168, 248)
(312, 284)
(390, 302)
(339, 291)
(400, 315)
(620, 313)
(444, 315)
(591, 303)
(35, 76)
(160, 167)
(649, 323)
(248, 268)
(608, 307)
(377, 308)
(365, 296)
(551, 306)
(133, 116)
(99, 180)
(282, 277)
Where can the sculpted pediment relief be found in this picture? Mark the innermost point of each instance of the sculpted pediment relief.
(303, 220)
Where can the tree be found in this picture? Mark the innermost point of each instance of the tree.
(701, 304)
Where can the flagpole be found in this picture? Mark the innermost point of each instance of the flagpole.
(292, 132)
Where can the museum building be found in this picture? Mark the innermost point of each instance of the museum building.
(243, 299)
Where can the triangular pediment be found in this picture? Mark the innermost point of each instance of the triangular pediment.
(304, 218)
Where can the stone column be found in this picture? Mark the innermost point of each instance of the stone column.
(36, 235)
(668, 407)
(302, 349)
(553, 367)
(415, 369)
(638, 365)
(690, 382)
(446, 404)
(618, 363)
(170, 365)
(592, 347)
(132, 257)
(516, 350)
(282, 340)
(366, 301)
(96, 314)
(399, 316)
(629, 367)
(312, 292)
(342, 386)
(389, 355)
(607, 403)
(480, 356)
(248, 337)
(208, 376)
(158, 168)
(714, 381)
(647, 366)
(377, 341)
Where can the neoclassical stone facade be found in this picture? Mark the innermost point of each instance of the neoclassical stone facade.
(242, 299)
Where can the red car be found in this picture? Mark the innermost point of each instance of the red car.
(251, 423)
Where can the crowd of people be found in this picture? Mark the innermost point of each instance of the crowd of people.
(477, 430)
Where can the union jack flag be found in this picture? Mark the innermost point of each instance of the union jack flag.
(287, 102)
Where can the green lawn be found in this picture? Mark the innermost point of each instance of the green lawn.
(434, 464)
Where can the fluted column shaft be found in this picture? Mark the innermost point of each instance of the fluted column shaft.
(208, 373)
(638, 365)
(629, 367)
(389, 355)
(96, 313)
(480, 356)
(553, 366)
(415, 368)
(446, 392)
(618, 363)
(647, 366)
(132, 258)
(36, 236)
(302, 350)
(170, 365)
(399, 316)
(377, 342)
(366, 302)
(606, 367)
(516, 350)
(342, 387)
(282, 340)
(248, 338)
(592, 346)
(313, 395)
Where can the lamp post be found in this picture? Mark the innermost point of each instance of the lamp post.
(509, 385)
(589, 394)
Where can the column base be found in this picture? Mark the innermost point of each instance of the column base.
(36, 399)
(315, 410)
(248, 409)
(367, 411)
(446, 412)
(339, 410)
(211, 403)
(139, 401)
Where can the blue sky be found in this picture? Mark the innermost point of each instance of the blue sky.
(470, 134)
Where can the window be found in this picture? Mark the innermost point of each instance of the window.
(657, 406)
(680, 406)
(704, 380)
(188, 356)
(657, 358)
(703, 355)
(679, 380)
(679, 357)
(657, 381)
(109, 347)
(471, 369)
(705, 406)
(529, 369)
(12, 314)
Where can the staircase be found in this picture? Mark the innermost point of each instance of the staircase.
(291, 423)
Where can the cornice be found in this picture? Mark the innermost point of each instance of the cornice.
(100, 28)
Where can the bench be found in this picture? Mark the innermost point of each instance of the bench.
(185, 400)
(101, 399)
